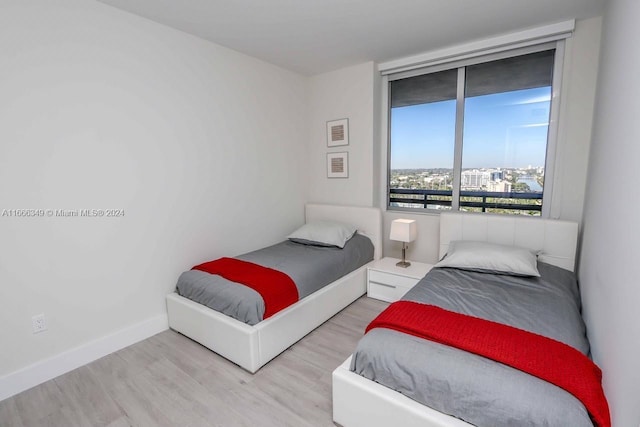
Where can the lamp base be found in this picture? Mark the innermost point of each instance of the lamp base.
(404, 263)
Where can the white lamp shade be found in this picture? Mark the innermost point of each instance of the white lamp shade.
(404, 230)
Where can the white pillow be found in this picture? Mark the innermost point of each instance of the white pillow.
(323, 233)
(490, 258)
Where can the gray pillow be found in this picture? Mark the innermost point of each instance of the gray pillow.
(323, 233)
(490, 258)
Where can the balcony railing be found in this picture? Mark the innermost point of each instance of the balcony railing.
(514, 201)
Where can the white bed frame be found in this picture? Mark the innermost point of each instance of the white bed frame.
(252, 347)
(358, 401)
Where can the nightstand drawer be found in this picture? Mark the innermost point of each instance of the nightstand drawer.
(392, 279)
(386, 292)
(388, 282)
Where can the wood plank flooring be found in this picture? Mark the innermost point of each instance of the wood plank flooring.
(169, 380)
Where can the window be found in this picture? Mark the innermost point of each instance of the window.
(473, 136)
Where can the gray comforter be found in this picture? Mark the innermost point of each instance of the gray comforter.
(470, 387)
(310, 267)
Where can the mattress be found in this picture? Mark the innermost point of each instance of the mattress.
(310, 267)
(477, 390)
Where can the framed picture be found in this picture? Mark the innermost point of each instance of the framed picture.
(338, 165)
(338, 132)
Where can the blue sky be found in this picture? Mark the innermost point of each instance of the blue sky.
(500, 130)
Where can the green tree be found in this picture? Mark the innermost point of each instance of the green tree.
(521, 187)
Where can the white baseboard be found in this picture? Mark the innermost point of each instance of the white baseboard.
(69, 360)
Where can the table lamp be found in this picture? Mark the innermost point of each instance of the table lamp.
(405, 231)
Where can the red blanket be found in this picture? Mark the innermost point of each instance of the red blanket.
(276, 288)
(535, 354)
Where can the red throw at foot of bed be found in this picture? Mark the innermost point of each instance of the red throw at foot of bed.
(276, 288)
(535, 354)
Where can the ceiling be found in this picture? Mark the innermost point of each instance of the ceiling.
(316, 36)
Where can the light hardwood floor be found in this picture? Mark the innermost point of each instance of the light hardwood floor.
(169, 380)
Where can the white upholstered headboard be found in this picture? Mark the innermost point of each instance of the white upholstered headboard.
(368, 220)
(555, 240)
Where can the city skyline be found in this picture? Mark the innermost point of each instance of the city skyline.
(425, 178)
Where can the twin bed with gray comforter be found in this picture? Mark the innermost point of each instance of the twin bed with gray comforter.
(310, 267)
(231, 319)
(470, 387)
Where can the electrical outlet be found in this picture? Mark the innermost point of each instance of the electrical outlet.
(39, 324)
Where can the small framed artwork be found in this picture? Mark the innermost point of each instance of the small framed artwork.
(338, 165)
(338, 133)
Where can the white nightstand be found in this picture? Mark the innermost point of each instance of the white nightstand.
(388, 282)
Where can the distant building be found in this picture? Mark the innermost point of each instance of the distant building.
(499, 186)
(474, 178)
(496, 175)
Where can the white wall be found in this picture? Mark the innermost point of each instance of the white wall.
(609, 263)
(199, 145)
(574, 134)
(346, 93)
